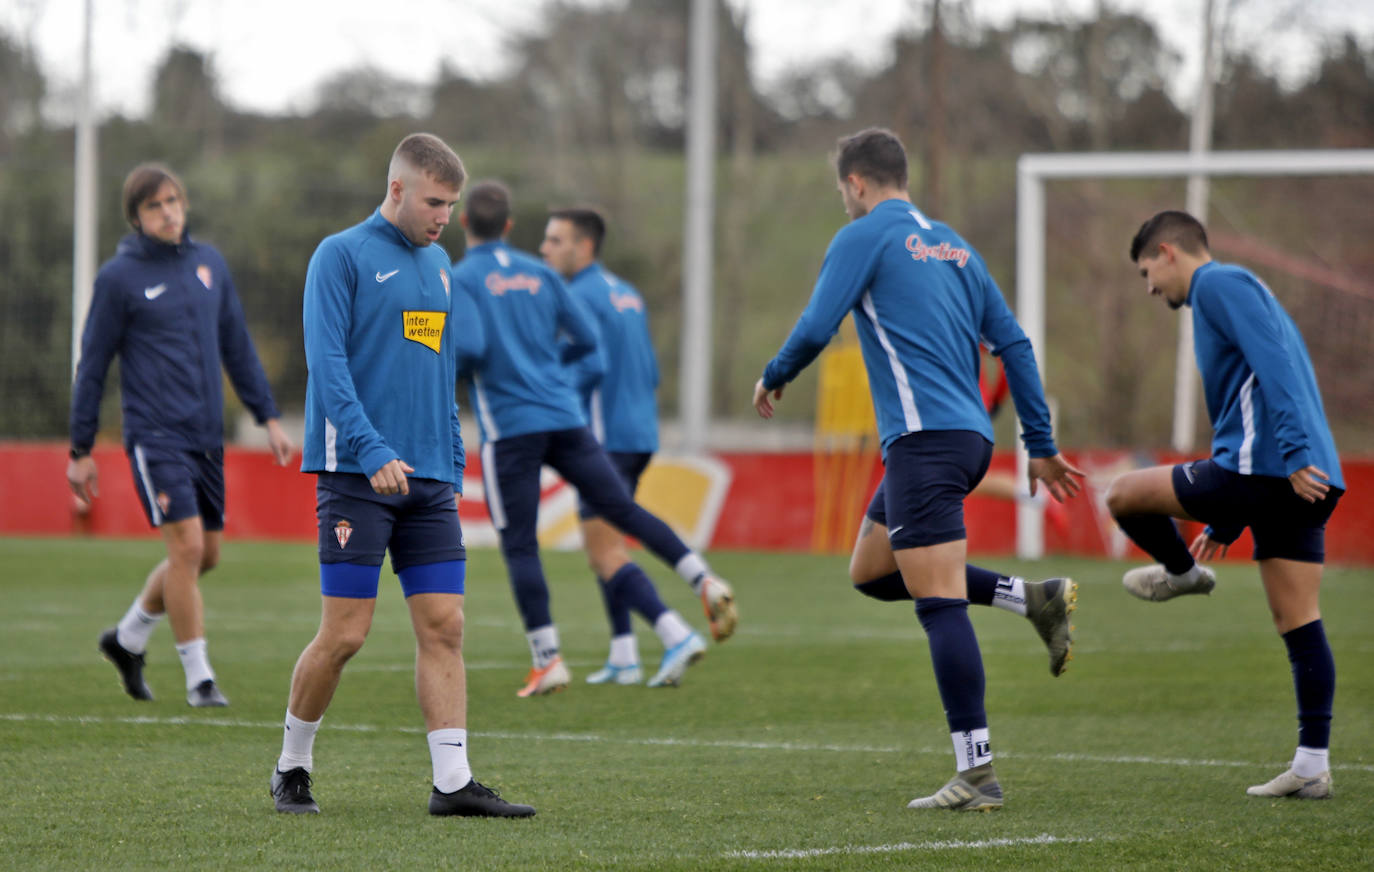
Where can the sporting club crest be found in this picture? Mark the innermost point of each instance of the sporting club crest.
(342, 531)
(443, 277)
(205, 275)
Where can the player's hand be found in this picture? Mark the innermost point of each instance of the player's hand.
(281, 444)
(391, 478)
(762, 402)
(84, 478)
(1057, 474)
(1310, 483)
(1204, 548)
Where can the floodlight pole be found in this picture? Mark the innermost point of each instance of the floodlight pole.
(83, 217)
(1186, 376)
(694, 377)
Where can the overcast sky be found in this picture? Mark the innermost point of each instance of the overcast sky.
(271, 55)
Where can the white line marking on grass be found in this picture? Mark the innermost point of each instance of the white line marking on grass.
(736, 744)
(804, 854)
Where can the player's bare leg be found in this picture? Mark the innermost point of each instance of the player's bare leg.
(1047, 604)
(1143, 502)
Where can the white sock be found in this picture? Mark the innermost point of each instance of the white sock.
(135, 627)
(971, 748)
(1012, 597)
(448, 751)
(1310, 762)
(691, 567)
(297, 743)
(672, 629)
(543, 645)
(195, 663)
(1193, 574)
(624, 650)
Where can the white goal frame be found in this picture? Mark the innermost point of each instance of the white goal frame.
(1034, 170)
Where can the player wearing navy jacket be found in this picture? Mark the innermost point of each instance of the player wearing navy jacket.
(530, 416)
(922, 301)
(622, 409)
(166, 306)
(1274, 469)
(383, 341)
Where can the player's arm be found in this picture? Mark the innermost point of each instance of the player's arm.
(848, 269)
(100, 340)
(327, 314)
(588, 369)
(1012, 347)
(245, 370)
(1247, 315)
(469, 335)
(579, 335)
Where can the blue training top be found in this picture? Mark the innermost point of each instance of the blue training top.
(1262, 395)
(523, 384)
(621, 408)
(922, 300)
(383, 341)
(172, 315)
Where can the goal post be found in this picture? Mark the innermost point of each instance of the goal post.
(1033, 171)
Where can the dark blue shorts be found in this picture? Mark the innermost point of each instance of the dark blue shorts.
(1283, 524)
(359, 525)
(174, 484)
(510, 476)
(630, 466)
(921, 497)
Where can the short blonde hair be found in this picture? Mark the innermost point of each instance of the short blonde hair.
(430, 155)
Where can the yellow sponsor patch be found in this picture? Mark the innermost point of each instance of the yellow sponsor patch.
(426, 328)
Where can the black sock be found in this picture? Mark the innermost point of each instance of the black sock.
(1157, 536)
(1314, 681)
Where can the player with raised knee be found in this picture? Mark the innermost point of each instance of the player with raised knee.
(1274, 468)
(384, 336)
(531, 416)
(922, 300)
(621, 408)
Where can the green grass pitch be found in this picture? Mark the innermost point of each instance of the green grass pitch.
(795, 745)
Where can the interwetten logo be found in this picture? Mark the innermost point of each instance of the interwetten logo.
(499, 284)
(921, 252)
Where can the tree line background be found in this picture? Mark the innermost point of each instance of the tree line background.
(593, 111)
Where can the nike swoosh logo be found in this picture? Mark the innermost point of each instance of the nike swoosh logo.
(897, 529)
(381, 277)
(155, 291)
(452, 744)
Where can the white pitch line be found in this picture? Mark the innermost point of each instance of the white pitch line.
(950, 845)
(594, 738)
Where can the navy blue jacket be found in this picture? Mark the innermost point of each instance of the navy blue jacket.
(172, 315)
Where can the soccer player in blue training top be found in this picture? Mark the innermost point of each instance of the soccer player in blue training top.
(622, 410)
(1047, 604)
(530, 415)
(1273, 468)
(166, 305)
(384, 336)
(922, 299)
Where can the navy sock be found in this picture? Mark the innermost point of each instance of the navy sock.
(616, 611)
(1157, 536)
(956, 659)
(889, 588)
(530, 589)
(633, 588)
(982, 586)
(1314, 680)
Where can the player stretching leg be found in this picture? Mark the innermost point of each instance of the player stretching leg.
(530, 416)
(922, 301)
(1274, 469)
